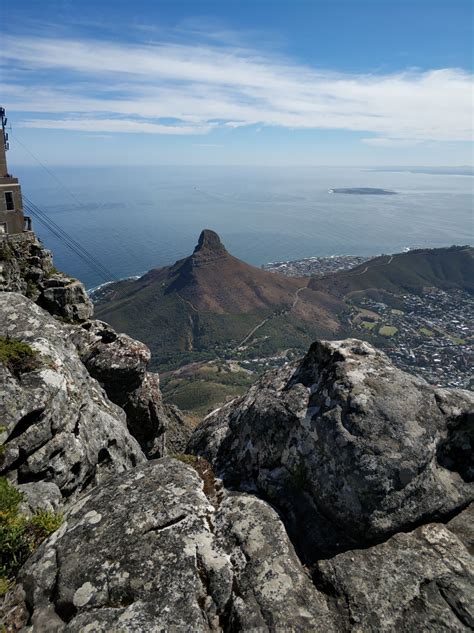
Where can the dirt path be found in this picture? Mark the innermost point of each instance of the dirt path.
(188, 302)
(362, 272)
(271, 316)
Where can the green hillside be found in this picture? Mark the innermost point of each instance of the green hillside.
(209, 304)
(210, 308)
(442, 268)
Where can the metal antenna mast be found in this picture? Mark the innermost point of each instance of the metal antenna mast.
(4, 120)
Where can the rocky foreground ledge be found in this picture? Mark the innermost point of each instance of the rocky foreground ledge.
(369, 468)
(336, 495)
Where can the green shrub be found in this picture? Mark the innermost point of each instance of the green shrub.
(53, 272)
(5, 586)
(31, 289)
(20, 535)
(6, 254)
(19, 357)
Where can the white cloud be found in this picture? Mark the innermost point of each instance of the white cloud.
(113, 125)
(380, 141)
(201, 87)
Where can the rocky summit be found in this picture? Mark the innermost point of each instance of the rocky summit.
(349, 448)
(334, 496)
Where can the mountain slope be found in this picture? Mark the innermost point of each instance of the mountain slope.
(212, 301)
(443, 268)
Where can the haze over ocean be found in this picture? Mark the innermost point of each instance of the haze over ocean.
(137, 218)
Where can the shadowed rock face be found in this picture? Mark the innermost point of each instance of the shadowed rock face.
(349, 448)
(150, 552)
(59, 426)
(120, 364)
(209, 241)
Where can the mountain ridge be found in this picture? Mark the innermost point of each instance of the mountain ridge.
(209, 302)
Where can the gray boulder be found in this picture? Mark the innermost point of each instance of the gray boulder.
(180, 429)
(120, 364)
(348, 447)
(57, 424)
(67, 298)
(40, 495)
(23, 263)
(420, 581)
(149, 551)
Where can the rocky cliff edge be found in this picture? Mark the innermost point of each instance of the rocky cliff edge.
(342, 500)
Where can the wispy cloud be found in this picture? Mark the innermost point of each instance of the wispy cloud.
(114, 125)
(166, 88)
(380, 141)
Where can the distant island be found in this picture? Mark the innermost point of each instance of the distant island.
(364, 191)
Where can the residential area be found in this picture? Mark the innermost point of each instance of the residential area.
(430, 335)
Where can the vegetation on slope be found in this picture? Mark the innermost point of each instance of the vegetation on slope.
(19, 357)
(213, 307)
(204, 306)
(199, 389)
(19, 535)
(442, 268)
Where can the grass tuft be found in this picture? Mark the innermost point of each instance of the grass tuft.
(20, 535)
(19, 357)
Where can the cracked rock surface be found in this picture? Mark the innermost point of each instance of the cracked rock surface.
(420, 581)
(349, 448)
(148, 551)
(58, 425)
(27, 267)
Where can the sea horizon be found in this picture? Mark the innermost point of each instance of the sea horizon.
(134, 219)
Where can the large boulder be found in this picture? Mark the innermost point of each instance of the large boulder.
(348, 447)
(179, 431)
(66, 298)
(120, 364)
(419, 581)
(159, 549)
(58, 425)
(24, 263)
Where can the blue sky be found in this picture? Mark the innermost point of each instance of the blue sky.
(314, 82)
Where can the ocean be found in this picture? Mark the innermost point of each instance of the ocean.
(133, 219)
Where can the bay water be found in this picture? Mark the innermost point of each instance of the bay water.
(133, 219)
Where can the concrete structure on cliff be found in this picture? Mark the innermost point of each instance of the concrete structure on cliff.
(12, 219)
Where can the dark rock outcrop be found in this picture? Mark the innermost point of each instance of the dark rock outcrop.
(148, 551)
(117, 361)
(120, 364)
(349, 448)
(179, 431)
(58, 424)
(27, 267)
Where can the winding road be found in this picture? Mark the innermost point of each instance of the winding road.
(271, 316)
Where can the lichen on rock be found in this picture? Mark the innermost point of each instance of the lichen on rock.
(348, 447)
(27, 267)
(58, 425)
(147, 551)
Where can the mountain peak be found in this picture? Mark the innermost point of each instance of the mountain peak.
(209, 241)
